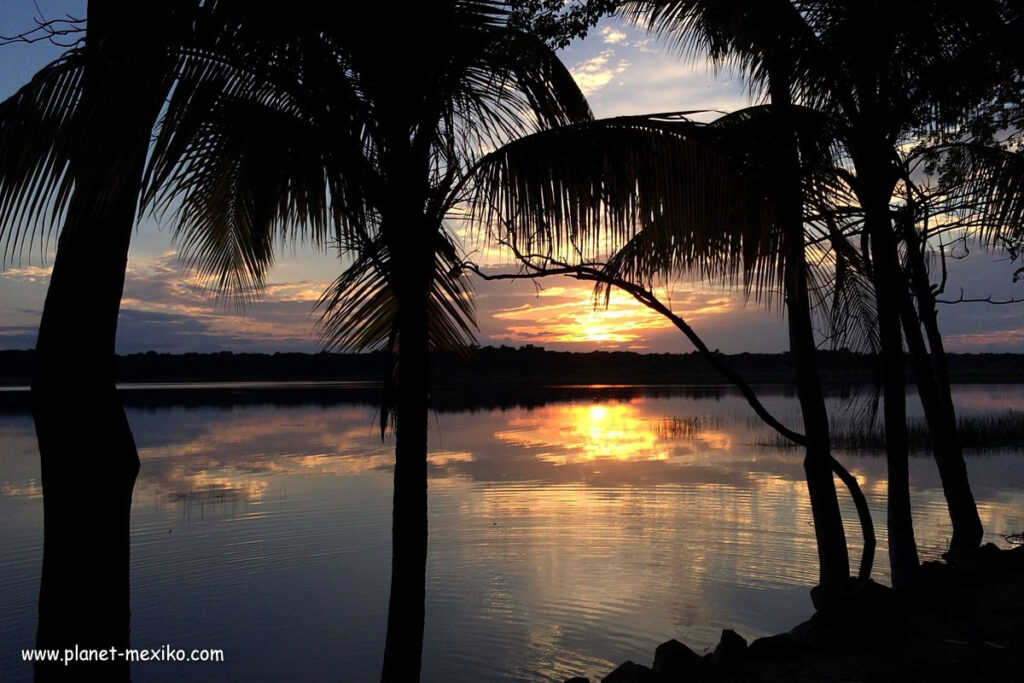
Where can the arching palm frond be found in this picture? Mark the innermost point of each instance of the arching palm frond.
(36, 141)
(846, 300)
(666, 196)
(518, 85)
(245, 159)
(244, 182)
(593, 186)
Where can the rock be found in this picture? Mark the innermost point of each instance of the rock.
(811, 634)
(936, 574)
(1014, 558)
(731, 650)
(774, 648)
(629, 672)
(854, 598)
(984, 559)
(850, 613)
(677, 662)
(577, 679)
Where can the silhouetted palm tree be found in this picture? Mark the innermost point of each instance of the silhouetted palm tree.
(761, 37)
(336, 130)
(705, 232)
(879, 78)
(73, 143)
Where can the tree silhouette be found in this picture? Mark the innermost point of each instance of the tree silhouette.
(324, 128)
(73, 143)
(879, 79)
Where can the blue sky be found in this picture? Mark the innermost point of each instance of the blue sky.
(622, 71)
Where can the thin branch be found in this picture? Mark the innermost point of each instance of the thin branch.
(54, 31)
(593, 273)
(590, 273)
(986, 300)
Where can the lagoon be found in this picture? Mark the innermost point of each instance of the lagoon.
(568, 532)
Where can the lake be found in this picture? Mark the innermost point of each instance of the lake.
(568, 533)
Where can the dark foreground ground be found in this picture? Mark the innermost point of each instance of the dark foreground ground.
(960, 625)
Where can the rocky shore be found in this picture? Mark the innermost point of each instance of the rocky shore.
(959, 623)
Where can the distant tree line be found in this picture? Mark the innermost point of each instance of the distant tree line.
(528, 365)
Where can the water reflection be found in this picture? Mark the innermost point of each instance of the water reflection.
(618, 431)
(564, 537)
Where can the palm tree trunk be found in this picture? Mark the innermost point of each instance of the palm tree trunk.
(833, 555)
(410, 240)
(88, 457)
(931, 371)
(406, 607)
(888, 282)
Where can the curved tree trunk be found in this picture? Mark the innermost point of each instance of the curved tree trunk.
(88, 457)
(833, 555)
(932, 373)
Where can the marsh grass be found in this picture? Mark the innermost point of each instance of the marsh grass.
(977, 433)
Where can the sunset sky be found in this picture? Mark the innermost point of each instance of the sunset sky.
(622, 72)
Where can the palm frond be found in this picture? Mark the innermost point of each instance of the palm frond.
(983, 187)
(592, 187)
(36, 142)
(243, 163)
(748, 35)
(359, 310)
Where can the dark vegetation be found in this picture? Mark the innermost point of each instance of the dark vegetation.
(527, 365)
(977, 432)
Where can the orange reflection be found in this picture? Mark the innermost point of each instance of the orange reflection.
(576, 433)
(610, 431)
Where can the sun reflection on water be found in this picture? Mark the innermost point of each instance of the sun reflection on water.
(614, 431)
(560, 535)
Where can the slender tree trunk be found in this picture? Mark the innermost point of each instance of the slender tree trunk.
(406, 607)
(833, 555)
(410, 238)
(932, 373)
(889, 285)
(645, 297)
(88, 457)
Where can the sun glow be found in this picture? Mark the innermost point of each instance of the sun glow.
(568, 315)
(612, 431)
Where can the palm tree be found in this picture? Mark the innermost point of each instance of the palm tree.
(73, 147)
(761, 37)
(832, 53)
(77, 136)
(682, 197)
(331, 131)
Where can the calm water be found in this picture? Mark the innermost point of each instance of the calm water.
(565, 537)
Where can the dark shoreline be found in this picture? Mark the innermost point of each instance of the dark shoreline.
(507, 366)
(959, 623)
(444, 397)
